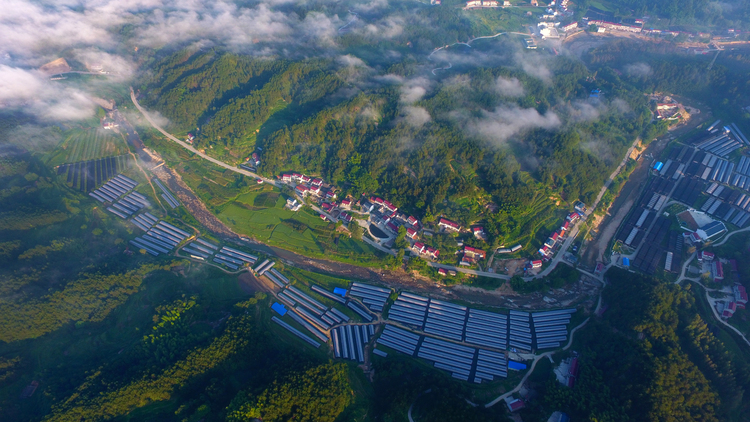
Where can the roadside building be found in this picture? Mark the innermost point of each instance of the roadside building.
(729, 310)
(740, 295)
(286, 178)
(717, 271)
(449, 225)
(433, 253)
(705, 256)
(255, 158)
(302, 190)
(442, 272)
(516, 405)
(411, 233)
(569, 27)
(474, 253)
(419, 247)
(536, 264)
(479, 233)
(711, 230)
(346, 204)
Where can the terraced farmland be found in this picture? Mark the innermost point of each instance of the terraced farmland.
(87, 144)
(87, 175)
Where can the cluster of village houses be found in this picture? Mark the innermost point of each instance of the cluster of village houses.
(715, 267)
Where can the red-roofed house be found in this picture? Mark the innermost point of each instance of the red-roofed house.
(555, 236)
(434, 253)
(327, 207)
(442, 271)
(474, 253)
(729, 310)
(389, 206)
(449, 225)
(573, 368)
(516, 405)
(330, 194)
(419, 247)
(302, 190)
(479, 233)
(392, 227)
(315, 189)
(316, 182)
(740, 295)
(706, 256)
(544, 251)
(286, 177)
(565, 226)
(718, 271)
(411, 233)
(346, 217)
(255, 158)
(536, 264)
(296, 176)
(573, 216)
(305, 179)
(376, 200)
(346, 204)
(413, 221)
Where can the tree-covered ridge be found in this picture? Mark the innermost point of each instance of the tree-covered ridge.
(234, 340)
(188, 85)
(89, 298)
(319, 394)
(462, 147)
(653, 358)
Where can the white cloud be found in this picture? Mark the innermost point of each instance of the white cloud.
(32, 91)
(416, 116)
(509, 87)
(535, 65)
(413, 90)
(506, 121)
(638, 69)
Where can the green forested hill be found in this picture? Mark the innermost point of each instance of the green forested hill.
(446, 150)
(653, 358)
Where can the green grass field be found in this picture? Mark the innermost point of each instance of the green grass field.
(87, 144)
(260, 214)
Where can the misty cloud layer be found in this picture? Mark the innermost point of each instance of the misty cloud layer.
(507, 121)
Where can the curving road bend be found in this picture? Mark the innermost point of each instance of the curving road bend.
(193, 150)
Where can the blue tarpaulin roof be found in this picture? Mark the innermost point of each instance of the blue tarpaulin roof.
(339, 291)
(279, 308)
(626, 262)
(658, 166)
(518, 366)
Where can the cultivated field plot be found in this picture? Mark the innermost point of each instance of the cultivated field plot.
(87, 175)
(261, 215)
(87, 144)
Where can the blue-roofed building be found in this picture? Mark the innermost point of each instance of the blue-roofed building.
(658, 166)
(516, 366)
(711, 230)
(626, 261)
(279, 308)
(339, 291)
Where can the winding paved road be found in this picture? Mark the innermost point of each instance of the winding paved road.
(193, 150)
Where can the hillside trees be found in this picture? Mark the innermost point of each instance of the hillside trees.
(320, 393)
(652, 358)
